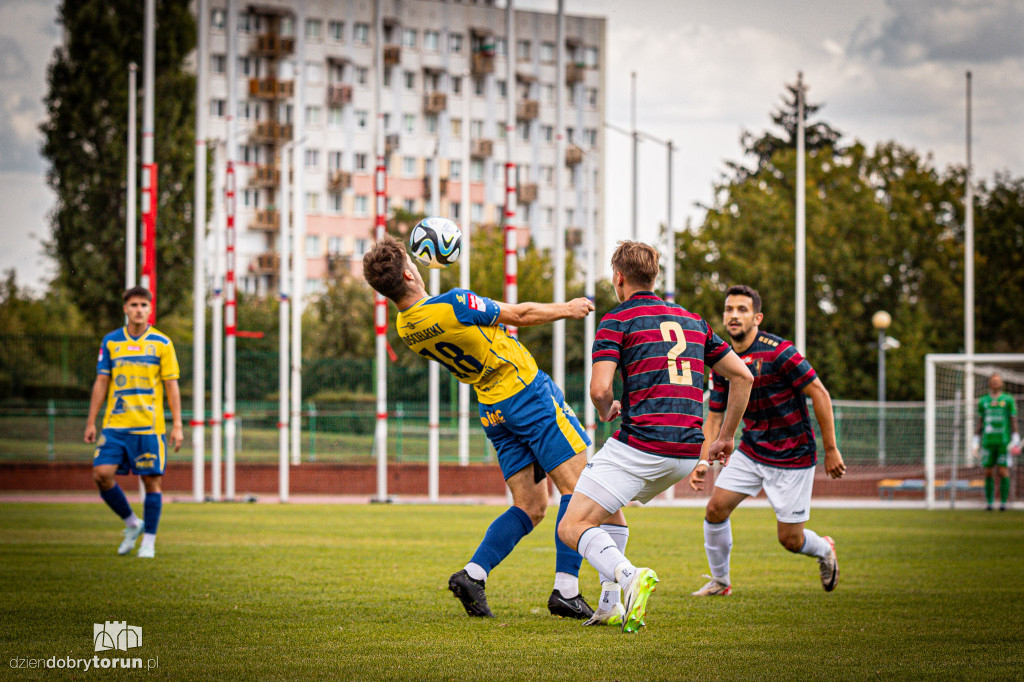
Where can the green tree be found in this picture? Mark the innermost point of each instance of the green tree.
(85, 143)
(999, 274)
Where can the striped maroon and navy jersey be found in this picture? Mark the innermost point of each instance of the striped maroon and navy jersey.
(777, 427)
(661, 350)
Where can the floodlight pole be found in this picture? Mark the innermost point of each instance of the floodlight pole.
(558, 328)
(511, 237)
(298, 289)
(670, 233)
(464, 258)
(131, 236)
(968, 281)
(801, 221)
(198, 262)
(636, 150)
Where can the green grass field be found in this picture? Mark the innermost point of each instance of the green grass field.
(358, 592)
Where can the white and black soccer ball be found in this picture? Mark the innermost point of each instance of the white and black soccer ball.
(435, 242)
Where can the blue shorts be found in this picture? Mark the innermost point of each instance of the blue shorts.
(142, 454)
(533, 426)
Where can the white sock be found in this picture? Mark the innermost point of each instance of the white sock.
(599, 549)
(814, 545)
(133, 521)
(148, 539)
(476, 571)
(718, 547)
(568, 585)
(611, 594)
(610, 591)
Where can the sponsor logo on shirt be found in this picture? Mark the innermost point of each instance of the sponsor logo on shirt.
(476, 302)
(134, 348)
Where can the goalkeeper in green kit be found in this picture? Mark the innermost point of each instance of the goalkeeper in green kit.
(997, 439)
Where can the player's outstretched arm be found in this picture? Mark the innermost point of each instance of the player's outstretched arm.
(99, 394)
(821, 401)
(740, 382)
(532, 314)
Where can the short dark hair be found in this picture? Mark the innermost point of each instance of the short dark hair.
(637, 262)
(384, 267)
(744, 290)
(138, 292)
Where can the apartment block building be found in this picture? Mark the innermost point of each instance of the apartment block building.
(436, 54)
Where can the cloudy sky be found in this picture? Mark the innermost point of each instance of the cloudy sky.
(884, 69)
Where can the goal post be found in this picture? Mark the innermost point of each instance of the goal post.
(953, 384)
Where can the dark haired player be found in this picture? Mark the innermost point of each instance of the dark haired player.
(777, 452)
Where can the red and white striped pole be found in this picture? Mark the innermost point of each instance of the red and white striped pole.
(380, 304)
(230, 331)
(511, 238)
(149, 195)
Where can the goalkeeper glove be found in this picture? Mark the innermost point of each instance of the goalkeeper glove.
(976, 442)
(1015, 440)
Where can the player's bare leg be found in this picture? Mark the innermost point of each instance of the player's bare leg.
(799, 540)
(103, 476)
(718, 541)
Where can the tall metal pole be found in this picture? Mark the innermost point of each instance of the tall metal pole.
(149, 167)
(217, 327)
(511, 237)
(298, 298)
(230, 285)
(801, 225)
(464, 264)
(284, 322)
(433, 369)
(968, 281)
(558, 354)
(670, 233)
(380, 303)
(199, 265)
(636, 149)
(590, 291)
(881, 397)
(131, 240)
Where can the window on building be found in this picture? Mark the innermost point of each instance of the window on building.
(455, 209)
(360, 161)
(431, 122)
(547, 92)
(590, 136)
(547, 52)
(591, 97)
(361, 247)
(455, 43)
(362, 119)
(314, 29)
(249, 153)
(387, 78)
(362, 75)
(500, 47)
(248, 110)
(456, 127)
(502, 131)
(431, 40)
(569, 135)
(362, 33)
(218, 107)
(218, 63)
(313, 115)
(313, 202)
(409, 37)
(314, 72)
(362, 206)
(246, 66)
(524, 131)
(409, 123)
(333, 161)
(547, 174)
(590, 57)
(476, 212)
(410, 80)
(245, 22)
(476, 128)
(409, 166)
(251, 198)
(335, 117)
(572, 96)
(284, 113)
(336, 30)
(502, 88)
(312, 158)
(523, 50)
(387, 120)
(547, 133)
(315, 287)
(457, 85)
(523, 172)
(409, 205)
(313, 245)
(479, 87)
(476, 170)
(218, 19)
(455, 170)
(334, 243)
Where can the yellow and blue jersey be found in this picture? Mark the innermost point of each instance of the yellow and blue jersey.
(138, 368)
(459, 330)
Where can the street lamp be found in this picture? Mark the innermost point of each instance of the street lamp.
(881, 321)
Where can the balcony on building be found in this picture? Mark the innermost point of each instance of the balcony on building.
(482, 44)
(266, 264)
(264, 176)
(271, 132)
(338, 94)
(573, 155)
(481, 149)
(273, 46)
(573, 73)
(574, 237)
(442, 187)
(527, 109)
(526, 192)
(434, 103)
(391, 142)
(266, 220)
(339, 181)
(271, 88)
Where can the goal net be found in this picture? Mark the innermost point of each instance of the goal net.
(953, 386)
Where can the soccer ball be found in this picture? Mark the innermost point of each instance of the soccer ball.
(436, 242)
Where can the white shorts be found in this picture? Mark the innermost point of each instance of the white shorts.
(787, 490)
(620, 473)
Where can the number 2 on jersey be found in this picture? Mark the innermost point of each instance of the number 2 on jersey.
(678, 372)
